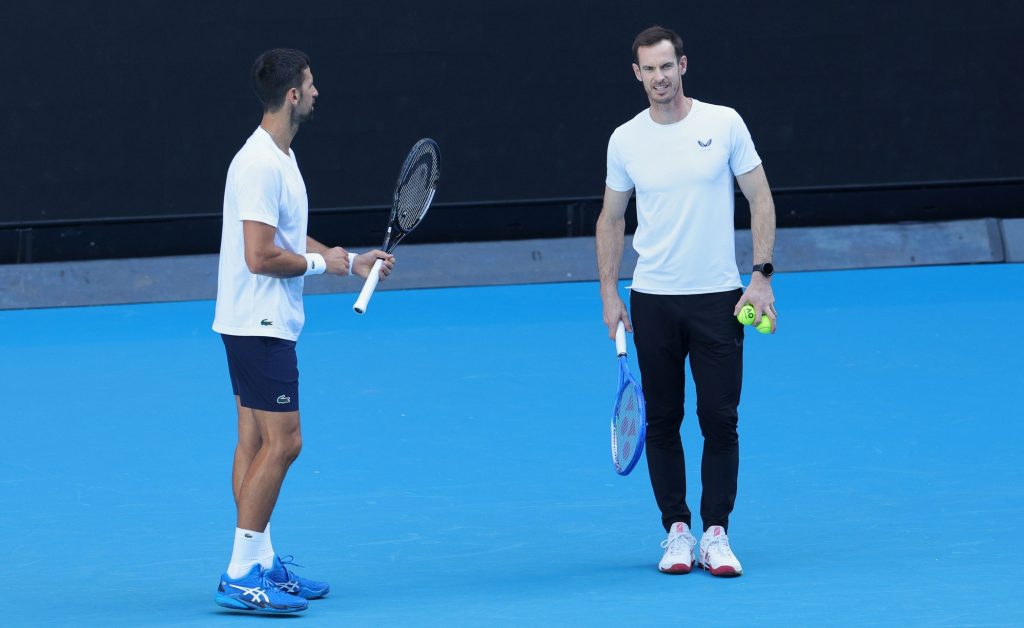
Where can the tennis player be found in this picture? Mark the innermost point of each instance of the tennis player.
(681, 155)
(265, 255)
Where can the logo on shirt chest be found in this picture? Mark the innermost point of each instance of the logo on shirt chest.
(704, 146)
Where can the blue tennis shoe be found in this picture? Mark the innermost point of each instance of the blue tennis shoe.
(256, 593)
(286, 581)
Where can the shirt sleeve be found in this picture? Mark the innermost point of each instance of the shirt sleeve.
(743, 156)
(617, 178)
(259, 193)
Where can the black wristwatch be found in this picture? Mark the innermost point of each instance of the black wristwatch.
(766, 269)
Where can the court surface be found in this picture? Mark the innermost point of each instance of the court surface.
(456, 469)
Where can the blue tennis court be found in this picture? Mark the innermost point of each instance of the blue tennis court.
(456, 471)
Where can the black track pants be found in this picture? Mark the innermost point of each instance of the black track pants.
(667, 329)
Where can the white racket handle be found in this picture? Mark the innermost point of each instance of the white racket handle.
(368, 287)
(620, 339)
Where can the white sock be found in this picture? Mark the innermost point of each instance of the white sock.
(250, 548)
(267, 560)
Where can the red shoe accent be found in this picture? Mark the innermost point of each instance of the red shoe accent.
(724, 571)
(678, 568)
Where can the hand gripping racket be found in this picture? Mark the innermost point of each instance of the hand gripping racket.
(417, 182)
(629, 418)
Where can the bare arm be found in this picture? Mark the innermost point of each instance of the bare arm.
(611, 237)
(312, 246)
(337, 260)
(264, 257)
(335, 256)
(754, 186)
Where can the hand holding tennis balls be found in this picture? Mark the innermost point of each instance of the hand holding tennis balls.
(747, 316)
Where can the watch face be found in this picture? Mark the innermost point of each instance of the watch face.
(766, 269)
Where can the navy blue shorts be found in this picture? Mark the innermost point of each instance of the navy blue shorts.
(264, 372)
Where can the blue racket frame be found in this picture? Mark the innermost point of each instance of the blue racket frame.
(625, 379)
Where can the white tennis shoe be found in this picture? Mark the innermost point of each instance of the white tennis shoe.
(715, 554)
(679, 546)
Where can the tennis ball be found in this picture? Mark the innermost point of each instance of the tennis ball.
(765, 326)
(746, 315)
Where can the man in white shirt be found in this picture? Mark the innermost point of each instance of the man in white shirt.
(265, 255)
(680, 156)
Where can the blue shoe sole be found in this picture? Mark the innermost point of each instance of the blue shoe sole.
(238, 605)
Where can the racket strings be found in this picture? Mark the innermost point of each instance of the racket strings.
(414, 193)
(628, 417)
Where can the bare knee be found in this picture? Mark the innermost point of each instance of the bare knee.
(286, 448)
(281, 434)
(294, 447)
(248, 445)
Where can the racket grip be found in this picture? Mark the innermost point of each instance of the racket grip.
(371, 284)
(620, 339)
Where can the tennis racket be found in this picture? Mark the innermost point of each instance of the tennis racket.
(417, 182)
(629, 418)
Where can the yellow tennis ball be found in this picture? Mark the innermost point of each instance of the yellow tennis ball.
(746, 315)
(765, 326)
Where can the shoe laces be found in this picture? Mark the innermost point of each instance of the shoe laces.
(720, 544)
(676, 544)
(265, 582)
(288, 560)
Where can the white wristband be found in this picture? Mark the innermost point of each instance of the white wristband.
(352, 264)
(315, 264)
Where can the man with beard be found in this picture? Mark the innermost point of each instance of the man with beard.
(681, 156)
(264, 256)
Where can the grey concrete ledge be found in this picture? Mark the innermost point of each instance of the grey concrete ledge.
(1013, 239)
(514, 262)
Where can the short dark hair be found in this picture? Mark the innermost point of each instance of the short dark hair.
(655, 34)
(275, 72)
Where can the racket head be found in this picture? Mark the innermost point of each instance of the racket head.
(414, 190)
(629, 422)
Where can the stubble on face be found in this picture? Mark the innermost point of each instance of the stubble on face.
(303, 111)
(659, 70)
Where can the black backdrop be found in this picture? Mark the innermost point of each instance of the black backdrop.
(119, 119)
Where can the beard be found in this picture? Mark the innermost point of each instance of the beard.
(298, 118)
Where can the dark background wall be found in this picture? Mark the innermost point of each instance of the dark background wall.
(119, 118)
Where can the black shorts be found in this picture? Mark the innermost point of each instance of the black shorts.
(264, 372)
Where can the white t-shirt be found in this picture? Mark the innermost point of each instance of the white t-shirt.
(683, 176)
(264, 185)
